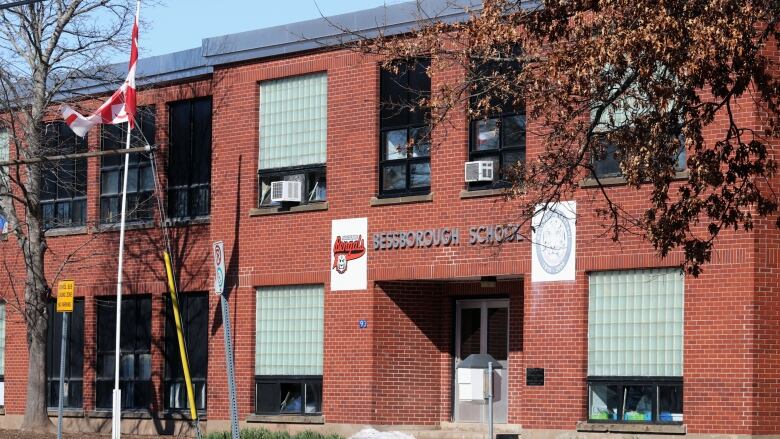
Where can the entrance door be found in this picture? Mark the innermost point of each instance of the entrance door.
(482, 327)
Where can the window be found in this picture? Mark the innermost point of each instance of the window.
(622, 113)
(293, 135)
(2, 354)
(64, 183)
(4, 156)
(501, 140)
(635, 346)
(140, 179)
(288, 351)
(189, 164)
(194, 311)
(500, 136)
(74, 357)
(405, 144)
(135, 362)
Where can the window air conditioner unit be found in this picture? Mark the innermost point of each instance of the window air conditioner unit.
(286, 191)
(479, 171)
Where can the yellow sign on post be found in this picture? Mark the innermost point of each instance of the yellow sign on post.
(65, 296)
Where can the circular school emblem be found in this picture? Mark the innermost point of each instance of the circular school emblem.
(553, 242)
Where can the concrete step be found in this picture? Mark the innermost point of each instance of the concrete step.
(463, 430)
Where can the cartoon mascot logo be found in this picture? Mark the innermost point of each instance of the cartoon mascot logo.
(345, 249)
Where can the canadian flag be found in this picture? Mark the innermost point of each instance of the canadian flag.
(120, 107)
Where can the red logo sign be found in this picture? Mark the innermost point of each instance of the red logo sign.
(347, 248)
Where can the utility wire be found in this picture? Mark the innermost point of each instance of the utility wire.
(18, 3)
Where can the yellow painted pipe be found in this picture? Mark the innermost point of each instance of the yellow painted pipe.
(182, 350)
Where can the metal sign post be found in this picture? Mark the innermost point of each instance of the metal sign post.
(65, 306)
(219, 289)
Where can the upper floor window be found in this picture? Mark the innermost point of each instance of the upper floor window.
(4, 156)
(140, 179)
(621, 114)
(293, 135)
(5, 153)
(64, 182)
(499, 135)
(405, 141)
(189, 159)
(635, 346)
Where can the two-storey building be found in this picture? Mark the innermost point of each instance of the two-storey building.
(428, 268)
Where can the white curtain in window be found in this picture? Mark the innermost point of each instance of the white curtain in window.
(635, 323)
(289, 330)
(293, 121)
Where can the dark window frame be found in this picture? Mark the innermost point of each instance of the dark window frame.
(191, 188)
(177, 376)
(621, 383)
(101, 378)
(63, 206)
(482, 154)
(308, 175)
(278, 380)
(413, 119)
(53, 346)
(140, 202)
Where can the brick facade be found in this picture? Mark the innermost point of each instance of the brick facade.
(399, 370)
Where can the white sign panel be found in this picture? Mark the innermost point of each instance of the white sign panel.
(554, 243)
(219, 267)
(349, 260)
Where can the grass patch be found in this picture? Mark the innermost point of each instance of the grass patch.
(262, 433)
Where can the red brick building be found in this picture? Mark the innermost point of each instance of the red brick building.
(628, 346)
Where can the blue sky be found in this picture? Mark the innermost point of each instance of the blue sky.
(181, 24)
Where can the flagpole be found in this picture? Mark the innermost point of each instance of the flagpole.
(117, 401)
(128, 90)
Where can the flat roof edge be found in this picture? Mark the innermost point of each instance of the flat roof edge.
(332, 31)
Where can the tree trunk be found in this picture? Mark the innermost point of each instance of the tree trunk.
(35, 410)
(36, 295)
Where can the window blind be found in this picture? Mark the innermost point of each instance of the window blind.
(289, 330)
(635, 323)
(293, 121)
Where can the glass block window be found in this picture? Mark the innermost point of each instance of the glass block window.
(635, 346)
(293, 121)
(289, 325)
(635, 323)
(289, 350)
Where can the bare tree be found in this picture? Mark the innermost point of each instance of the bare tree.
(46, 48)
(654, 87)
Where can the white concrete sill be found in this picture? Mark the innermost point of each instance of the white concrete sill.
(426, 198)
(605, 427)
(285, 419)
(275, 210)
